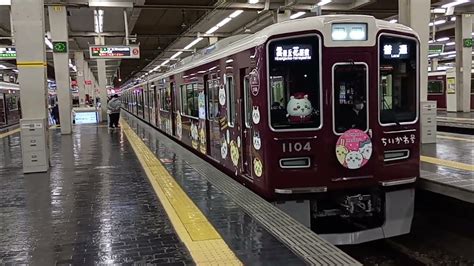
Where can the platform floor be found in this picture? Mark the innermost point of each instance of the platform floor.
(455, 120)
(448, 166)
(96, 205)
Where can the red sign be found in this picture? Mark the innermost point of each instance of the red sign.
(73, 82)
(88, 82)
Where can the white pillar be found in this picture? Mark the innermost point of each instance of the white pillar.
(434, 64)
(463, 62)
(87, 77)
(59, 32)
(102, 76)
(416, 15)
(79, 59)
(28, 24)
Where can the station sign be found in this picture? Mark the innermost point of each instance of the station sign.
(7, 53)
(435, 48)
(59, 47)
(467, 43)
(114, 52)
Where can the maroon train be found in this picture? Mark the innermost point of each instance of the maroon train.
(437, 88)
(318, 115)
(10, 110)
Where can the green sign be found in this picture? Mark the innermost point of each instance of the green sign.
(59, 47)
(467, 43)
(7, 53)
(435, 48)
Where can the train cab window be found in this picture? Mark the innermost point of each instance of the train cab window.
(398, 79)
(230, 91)
(294, 83)
(435, 86)
(350, 96)
(189, 99)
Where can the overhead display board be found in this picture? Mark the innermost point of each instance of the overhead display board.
(7, 53)
(114, 52)
(435, 48)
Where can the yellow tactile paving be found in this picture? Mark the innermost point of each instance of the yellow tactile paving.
(202, 240)
(454, 138)
(456, 165)
(6, 134)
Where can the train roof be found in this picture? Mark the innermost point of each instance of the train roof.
(323, 24)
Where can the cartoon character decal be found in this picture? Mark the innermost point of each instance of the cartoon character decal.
(194, 135)
(223, 149)
(222, 95)
(179, 126)
(256, 115)
(202, 140)
(299, 109)
(257, 142)
(257, 167)
(234, 153)
(353, 149)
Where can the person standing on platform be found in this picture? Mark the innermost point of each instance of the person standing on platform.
(113, 108)
(55, 114)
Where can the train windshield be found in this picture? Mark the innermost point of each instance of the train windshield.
(398, 79)
(294, 83)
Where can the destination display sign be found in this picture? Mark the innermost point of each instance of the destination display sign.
(293, 52)
(396, 50)
(7, 53)
(114, 52)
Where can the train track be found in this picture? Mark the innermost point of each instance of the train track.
(441, 234)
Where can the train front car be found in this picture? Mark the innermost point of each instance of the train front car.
(336, 132)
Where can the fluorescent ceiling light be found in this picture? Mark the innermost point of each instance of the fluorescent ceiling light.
(443, 39)
(455, 3)
(438, 11)
(324, 2)
(433, 55)
(453, 19)
(110, 3)
(5, 2)
(451, 55)
(430, 41)
(164, 63)
(297, 15)
(212, 30)
(99, 21)
(2, 67)
(253, 1)
(48, 43)
(450, 43)
(223, 22)
(189, 46)
(393, 21)
(236, 13)
(450, 52)
(229, 60)
(437, 22)
(176, 55)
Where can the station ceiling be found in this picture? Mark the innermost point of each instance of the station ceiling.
(162, 27)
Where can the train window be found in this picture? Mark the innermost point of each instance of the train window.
(248, 102)
(350, 96)
(230, 91)
(12, 102)
(213, 100)
(294, 83)
(398, 79)
(189, 99)
(435, 86)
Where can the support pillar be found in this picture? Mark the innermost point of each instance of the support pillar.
(87, 78)
(28, 24)
(59, 32)
(213, 40)
(463, 31)
(102, 76)
(434, 64)
(416, 15)
(79, 59)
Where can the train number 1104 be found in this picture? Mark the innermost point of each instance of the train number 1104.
(296, 147)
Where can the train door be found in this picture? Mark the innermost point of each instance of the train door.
(246, 133)
(146, 105)
(350, 111)
(174, 107)
(3, 114)
(153, 103)
(207, 86)
(213, 116)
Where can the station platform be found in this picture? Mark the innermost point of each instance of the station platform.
(131, 195)
(456, 122)
(447, 167)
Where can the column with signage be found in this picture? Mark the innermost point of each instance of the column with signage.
(28, 22)
(79, 59)
(416, 15)
(463, 40)
(87, 81)
(59, 34)
(102, 76)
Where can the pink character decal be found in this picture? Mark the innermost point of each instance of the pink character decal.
(353, 149)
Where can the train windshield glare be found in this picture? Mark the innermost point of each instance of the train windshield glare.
(398, 79)
(294, 83)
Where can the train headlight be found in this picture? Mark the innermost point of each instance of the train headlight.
(349, 32)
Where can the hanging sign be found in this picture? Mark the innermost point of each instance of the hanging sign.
(7, 53)
(118, 52)
(59, 47)
(435, 48)
(467, 43)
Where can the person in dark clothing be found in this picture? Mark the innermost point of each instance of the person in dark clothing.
(356, 117)
(113, 107)
(55, 114)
